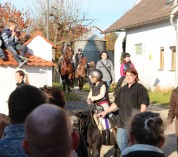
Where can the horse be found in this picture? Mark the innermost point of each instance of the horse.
(81, 72)
(66, 70)
(86, 124)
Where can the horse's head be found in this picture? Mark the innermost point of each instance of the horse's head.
(83, 61)
(79, 119)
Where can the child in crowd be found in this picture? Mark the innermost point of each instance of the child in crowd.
(99, 95)
(146, 136)
(10, 39)
(20, 76)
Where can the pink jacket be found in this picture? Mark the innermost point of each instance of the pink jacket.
(125, 66)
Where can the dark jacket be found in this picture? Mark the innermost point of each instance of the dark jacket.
(8, 39)
(96, 91)
(142, 150)
(78, 58)
(129, 101)
(11, 143)
(20, 84)
(173, 106)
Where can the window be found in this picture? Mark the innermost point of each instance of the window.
(161, 58)
(138, 49)
(173, 57)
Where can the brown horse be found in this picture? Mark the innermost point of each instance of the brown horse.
(66, 69)
(81, 72)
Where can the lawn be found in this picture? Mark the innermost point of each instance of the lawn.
(160, 97)
(156, 97)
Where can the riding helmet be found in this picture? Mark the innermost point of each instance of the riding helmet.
(97, 73)
(80, 50)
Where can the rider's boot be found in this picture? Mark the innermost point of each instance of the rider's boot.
(113, 121)
(106, 134)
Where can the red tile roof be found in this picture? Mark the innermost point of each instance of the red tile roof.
(32, 60)
(145, 12)
(40, 34)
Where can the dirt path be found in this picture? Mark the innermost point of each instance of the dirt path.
(169, 147)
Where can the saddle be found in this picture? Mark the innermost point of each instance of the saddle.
(113, 120)
(110, 122)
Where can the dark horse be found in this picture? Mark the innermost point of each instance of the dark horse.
(66, 69)
(93, 136)
(81, 72)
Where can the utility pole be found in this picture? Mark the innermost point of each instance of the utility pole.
(47, 19)
(173, 13)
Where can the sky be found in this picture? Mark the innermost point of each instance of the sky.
(106, 12)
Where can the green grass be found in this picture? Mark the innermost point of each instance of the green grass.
(160, 97)
(69, 97)
(156, 97)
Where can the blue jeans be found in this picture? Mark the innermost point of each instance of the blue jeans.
(122, 138)
(13, 49)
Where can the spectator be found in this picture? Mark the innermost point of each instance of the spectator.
(2, 55)
(126, 63)
(49, 136)
(133, 97)
(56, 96)
(20, 76)
(106, 67)
(20, 103)
(173, 111)
(146, 136)
(10, 39)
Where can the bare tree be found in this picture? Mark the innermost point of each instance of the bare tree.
(67, 22)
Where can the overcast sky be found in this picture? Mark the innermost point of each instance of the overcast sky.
(106, 12)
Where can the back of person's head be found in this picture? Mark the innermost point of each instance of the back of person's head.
(96, 73)
(54, 95)
(134, 72)
(11, 23)
(126, 55)
(22, 101)
(48, 132)
(147, 128)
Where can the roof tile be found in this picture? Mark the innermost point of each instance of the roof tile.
(145, 12)
(32, 60)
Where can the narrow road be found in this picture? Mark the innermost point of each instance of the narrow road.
(169, 147)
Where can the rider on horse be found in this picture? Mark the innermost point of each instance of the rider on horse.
(78, 57)
(99, 95)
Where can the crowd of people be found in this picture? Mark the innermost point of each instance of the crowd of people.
(40, 126)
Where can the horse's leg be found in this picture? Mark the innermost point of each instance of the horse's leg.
(68, 83)
(63, 82)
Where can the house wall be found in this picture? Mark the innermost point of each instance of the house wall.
(38, 76)
(148, 64)
(42, 50)
(117, 54)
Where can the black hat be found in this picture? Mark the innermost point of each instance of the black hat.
(126, 55)
(80, 50)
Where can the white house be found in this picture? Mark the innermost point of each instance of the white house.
(39, 70)
(151, 41)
